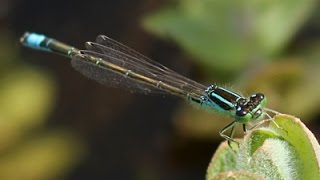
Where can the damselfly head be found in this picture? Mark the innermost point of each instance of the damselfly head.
(251, 109)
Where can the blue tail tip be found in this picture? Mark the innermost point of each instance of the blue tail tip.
(32, 40)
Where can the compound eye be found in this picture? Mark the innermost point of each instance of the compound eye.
(257, 97)
(241, 112)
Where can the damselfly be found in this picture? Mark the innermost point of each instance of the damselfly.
(112, 63)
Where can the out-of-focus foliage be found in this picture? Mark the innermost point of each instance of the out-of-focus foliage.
(227, 35)
(47, 155)
(251, 45)
(28, 150)
(271, 153)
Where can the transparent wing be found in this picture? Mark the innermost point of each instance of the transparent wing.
(110, 51)
(107, 76)
(116, 47)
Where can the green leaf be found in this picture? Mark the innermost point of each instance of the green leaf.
(288, 152)
(224, 160)
(237, 175)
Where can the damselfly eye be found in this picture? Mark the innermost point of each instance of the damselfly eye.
(242, 113)
(257, 97)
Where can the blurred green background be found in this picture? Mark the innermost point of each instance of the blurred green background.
(56, 124)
